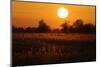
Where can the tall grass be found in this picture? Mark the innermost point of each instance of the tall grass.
(44, 48)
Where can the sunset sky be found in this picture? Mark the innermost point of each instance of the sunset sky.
(28, 14)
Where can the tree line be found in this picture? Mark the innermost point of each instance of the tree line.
(77, 27)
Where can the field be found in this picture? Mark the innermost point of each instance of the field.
(48, 48)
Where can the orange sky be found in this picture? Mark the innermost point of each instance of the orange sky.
(27, 14)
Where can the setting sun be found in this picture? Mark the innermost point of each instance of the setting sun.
(62, 12)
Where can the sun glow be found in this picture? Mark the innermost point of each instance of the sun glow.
(62, 12)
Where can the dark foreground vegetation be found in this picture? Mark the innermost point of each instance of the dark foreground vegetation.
(49, 48)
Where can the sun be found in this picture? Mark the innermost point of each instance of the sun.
(62, 12)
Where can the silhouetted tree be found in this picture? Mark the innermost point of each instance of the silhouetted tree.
(14, 28)
(64, 27)
(71, 29)
(43, 27)
(56, 30)
(89, 28)
(30, 29)
(18, 30)
(78, 25)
